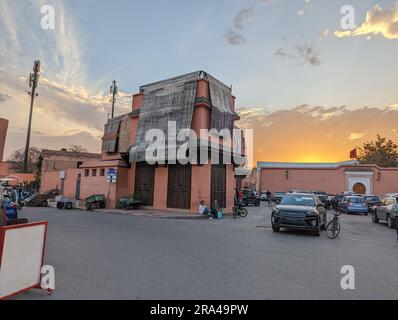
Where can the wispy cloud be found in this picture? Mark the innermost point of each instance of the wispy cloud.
(303, 54)
(377, 22)
(235, 35)
(64, 90)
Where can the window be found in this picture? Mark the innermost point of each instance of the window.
(102, 172)
(80, 163)
(86, 173)
(94, 173)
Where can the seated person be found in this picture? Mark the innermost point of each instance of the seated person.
(203, 209)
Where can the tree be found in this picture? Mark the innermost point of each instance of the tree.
(77, 148)
(381, 152)
(17, 159)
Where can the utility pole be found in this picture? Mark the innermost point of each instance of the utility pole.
(33, 81)
(114, 93)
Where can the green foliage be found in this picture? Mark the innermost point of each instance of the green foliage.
(381, 152)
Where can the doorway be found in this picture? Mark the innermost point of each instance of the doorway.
(179, 187)
(145, 183)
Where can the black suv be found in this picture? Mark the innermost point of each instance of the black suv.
(299, 211)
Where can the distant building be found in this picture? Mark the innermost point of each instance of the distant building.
(54, 165)
(7, 168)
(195, 101)
(332, 178)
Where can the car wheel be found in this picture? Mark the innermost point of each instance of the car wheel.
(44, 203)
(276, 229)
(389, 222)
(375, 219)
(69, 205)
(60, 205)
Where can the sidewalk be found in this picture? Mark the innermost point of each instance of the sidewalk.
(154, 213)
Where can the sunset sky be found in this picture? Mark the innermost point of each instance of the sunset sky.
(310, 90)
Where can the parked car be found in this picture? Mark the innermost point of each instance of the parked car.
(65, 203)
(387, 211)
(277, 197)
(41, 200)
(249, 199)
(372, 201)
(299, 211)
(263, 196)
(353, 204)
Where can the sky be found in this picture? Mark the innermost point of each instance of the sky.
(311, 90)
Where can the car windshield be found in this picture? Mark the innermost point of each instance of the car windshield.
(371, 198)
(356, 200)
(298, 200)
(279, 194)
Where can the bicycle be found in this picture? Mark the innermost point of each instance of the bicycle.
(333, 228)
(240, 211)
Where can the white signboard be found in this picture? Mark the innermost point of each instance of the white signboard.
(21, 257)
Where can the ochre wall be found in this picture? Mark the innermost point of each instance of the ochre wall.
(200, 186)
(332, 181)
(161, 183)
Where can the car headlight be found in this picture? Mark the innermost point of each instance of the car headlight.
(275, 210)
(312, 213)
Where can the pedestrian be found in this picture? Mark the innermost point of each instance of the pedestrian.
(214, 210)
(203, 209)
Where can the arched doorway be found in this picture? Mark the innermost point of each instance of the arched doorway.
(359, 188)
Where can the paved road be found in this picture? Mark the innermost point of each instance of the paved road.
(107, 256)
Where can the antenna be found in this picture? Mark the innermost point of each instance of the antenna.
(33, 82)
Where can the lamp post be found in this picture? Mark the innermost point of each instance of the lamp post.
(33, 81)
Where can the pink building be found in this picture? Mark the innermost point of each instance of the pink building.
(195, 101)
(332, 178)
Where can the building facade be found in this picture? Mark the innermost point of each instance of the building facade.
(195, 101)
(332, 178)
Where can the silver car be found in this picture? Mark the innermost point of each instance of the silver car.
(387, 211)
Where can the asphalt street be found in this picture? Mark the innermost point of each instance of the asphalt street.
(111, 256)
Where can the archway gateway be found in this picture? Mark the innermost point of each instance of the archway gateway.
(359, 188)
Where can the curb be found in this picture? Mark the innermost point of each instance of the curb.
(154, 215)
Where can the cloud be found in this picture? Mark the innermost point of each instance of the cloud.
(308, 133)
(356, 136)
(234, 38)
(235, 35)
(303, 54)
(243, 17)
(377, 22)
(67, 108)
(4, 97)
